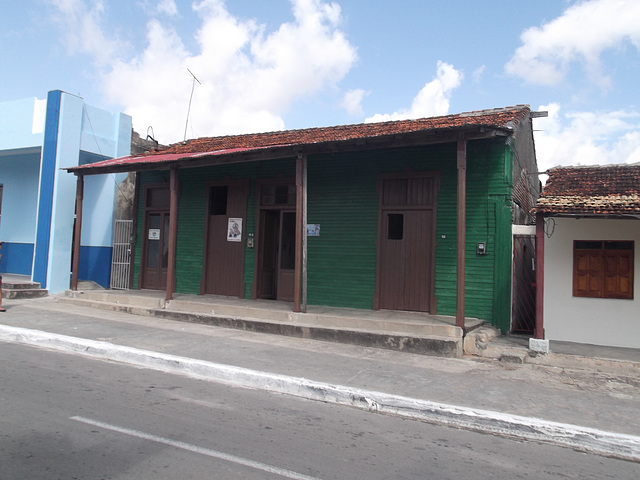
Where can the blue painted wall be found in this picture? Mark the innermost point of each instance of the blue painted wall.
(19, 177)
(42, 138)
(95, 265)
(16, 258)
(47, 176)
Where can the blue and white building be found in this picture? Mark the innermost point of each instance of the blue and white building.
(37, 199)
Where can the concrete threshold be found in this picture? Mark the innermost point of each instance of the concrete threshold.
(393, 330)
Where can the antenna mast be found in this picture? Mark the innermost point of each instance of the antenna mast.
(193, 86)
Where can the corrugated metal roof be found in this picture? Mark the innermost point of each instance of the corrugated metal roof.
(609, 190)
(496, 119)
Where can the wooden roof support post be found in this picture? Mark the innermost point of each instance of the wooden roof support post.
(304, 236)
(538, 331)
(173, 233)
(299, 291)
(77, 232)
(462, 230)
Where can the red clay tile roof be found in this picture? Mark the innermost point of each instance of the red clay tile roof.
(504, 118)
(591, 191)
(496, 119)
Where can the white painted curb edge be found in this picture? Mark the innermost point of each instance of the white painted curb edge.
(610, 444)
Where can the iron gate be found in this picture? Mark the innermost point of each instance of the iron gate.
(121, 256)
(524, 284)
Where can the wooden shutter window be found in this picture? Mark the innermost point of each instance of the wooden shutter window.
(603, 269)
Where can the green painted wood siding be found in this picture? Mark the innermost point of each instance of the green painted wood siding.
(343, 199)
(192, 216)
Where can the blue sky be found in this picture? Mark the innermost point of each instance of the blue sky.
(279, 64)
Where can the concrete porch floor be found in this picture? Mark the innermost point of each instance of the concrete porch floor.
(395, 330)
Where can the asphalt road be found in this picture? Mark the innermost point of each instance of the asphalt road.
(66, 417)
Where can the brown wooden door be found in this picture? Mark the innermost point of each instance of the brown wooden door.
(407, 243)
(224, 247)
(404, 260)
(277, 255)
(269, 238)
(286, 256)
(156, 250)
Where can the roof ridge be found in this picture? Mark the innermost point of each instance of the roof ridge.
(478, 113)
(365, 125)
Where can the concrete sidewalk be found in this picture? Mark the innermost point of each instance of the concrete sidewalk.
(585, 395)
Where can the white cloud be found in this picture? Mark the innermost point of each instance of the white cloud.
(586, 138)
(352, 101)
(432, 99)
(81, 25)
(249, 78)
(580, 35)
(478, 72)
(168, 7)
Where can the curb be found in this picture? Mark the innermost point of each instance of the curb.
(609, 444)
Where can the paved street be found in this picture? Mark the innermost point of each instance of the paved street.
(65, 416)
(122, 421)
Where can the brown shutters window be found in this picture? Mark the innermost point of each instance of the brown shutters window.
(603, 269)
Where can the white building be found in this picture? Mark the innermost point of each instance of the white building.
(591, 290)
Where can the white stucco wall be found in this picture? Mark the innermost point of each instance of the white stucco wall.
(596, 321)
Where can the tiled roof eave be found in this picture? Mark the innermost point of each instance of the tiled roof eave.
(577, 215)
(165, 158)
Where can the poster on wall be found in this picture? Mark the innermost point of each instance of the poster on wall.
(234, 231)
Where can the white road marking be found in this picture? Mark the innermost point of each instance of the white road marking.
(195, 449)
(610, 444)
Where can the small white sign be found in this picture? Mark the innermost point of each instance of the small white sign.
(154, 234)
(234, 232)
(313, 230)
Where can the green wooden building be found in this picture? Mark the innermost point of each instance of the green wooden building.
(369, 216)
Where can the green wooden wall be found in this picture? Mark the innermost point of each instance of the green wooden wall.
(343, 199)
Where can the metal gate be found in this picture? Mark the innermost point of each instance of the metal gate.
(524, 284)
(121, 256)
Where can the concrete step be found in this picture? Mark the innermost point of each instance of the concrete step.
(359, 327)
(23, 292)
(117, 298)
(20, 285)
(407, 323)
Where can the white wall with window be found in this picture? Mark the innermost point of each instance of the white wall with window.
(592, 281)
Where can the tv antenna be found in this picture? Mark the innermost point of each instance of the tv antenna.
(193, 86)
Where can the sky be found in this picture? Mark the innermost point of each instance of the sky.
(188, 69)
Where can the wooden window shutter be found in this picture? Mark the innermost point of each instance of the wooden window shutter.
(586, 273)
(603, 269)
(618, 274)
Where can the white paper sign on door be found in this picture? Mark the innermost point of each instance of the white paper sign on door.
(234, 231)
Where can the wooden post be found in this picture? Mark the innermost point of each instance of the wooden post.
(173, 233)
(538, 331)
(462, 230)
(77, 233)
(304, 235)
(300, 248)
